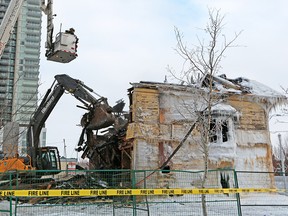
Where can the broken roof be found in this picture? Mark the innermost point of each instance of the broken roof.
(239, 86)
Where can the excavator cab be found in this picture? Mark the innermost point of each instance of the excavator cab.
(49, 159)
(64, 48)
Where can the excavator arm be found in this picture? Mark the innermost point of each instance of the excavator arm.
(98, 116)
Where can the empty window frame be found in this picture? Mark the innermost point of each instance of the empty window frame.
(219, 130)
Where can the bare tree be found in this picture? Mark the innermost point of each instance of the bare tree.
(202, 62)
(280, 156)
(280, 151)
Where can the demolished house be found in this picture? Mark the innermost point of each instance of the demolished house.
(160, 114)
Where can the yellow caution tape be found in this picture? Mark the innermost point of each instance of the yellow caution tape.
(129, 192)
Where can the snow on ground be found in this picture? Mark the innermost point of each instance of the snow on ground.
(263, 201)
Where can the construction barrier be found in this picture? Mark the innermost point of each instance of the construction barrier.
(129, 192)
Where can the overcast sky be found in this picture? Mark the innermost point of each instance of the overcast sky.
(123, 41)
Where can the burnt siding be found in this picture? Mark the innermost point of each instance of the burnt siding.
(252, 115)
(253, 151)
(158, 126)
(145, 106)
(144, 128)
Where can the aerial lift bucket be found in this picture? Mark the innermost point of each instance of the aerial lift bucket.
(98, 118)
(65, 48)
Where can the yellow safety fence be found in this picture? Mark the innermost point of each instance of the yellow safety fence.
(129, 192)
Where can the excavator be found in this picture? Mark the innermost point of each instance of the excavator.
(98, 115)
(62, 50)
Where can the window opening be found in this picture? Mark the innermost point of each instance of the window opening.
(224, 126)
(218, 130)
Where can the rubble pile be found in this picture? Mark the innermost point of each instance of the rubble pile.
(81, 181)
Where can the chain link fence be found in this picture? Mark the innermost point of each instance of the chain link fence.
(263, 203)
(101, 203)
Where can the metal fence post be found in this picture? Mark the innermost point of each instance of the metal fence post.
(146, 198)
(10, 198)
(134, 197)
(282, 160)
(16, 198)
(237, 194)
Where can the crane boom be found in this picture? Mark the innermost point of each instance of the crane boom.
(8, 22)
(48, 11)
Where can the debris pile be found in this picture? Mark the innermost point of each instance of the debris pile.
(103, 147)
(80, 181)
